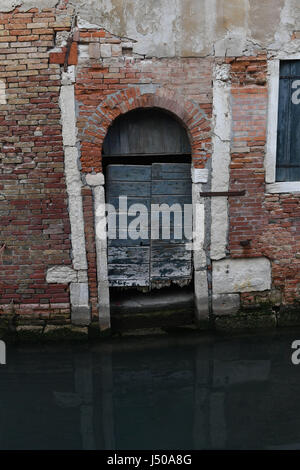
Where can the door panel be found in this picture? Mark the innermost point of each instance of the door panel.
(171, 171)
(170, 270)
(170, 187)
(128, 275)
(129, 172)
(144, 261)
(128, 255)
(133, 189)
(128, 258)
(171, 184)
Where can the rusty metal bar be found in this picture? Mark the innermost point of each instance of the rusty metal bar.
(69, 42)
(223, 193)
(69, 45)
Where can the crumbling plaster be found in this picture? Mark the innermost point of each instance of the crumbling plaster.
(168, 28)
(25, 5)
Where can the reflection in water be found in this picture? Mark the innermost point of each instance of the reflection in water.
(170, 393)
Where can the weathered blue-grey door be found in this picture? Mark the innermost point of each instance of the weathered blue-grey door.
(149, 234)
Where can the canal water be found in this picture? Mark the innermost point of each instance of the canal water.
(178, 393)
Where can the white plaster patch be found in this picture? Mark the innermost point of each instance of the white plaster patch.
(95, 180)
(241, 275)
(2, 92)
(67, 106)
(68, 77)
(199, 175)
(61, 275)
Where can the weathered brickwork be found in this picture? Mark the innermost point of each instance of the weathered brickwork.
(34, 218)
(249, 115)
(51, 161)
(110, 83)
(269, 224)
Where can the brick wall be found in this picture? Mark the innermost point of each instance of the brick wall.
(108, 83)
(34, 230)
(110, 80)
(249, 116)
(271, 222)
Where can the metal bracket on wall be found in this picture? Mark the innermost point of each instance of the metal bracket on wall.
(223, 193)
(69, 42)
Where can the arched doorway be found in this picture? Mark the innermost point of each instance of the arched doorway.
(147, 165)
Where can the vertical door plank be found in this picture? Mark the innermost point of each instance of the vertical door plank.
(170, 259)
(128, 258)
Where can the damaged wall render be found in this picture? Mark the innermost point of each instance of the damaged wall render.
(68, 69)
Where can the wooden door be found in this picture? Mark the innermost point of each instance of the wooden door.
(157, 257)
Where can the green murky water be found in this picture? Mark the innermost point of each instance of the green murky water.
(204, 392)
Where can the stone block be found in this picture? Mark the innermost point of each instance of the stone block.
(61, 275)
(201, 295)
(241, 275)
(81, 312)
(95, 180)
(94, 50)
(105, 50)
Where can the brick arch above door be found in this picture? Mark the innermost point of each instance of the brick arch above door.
(196, 121)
